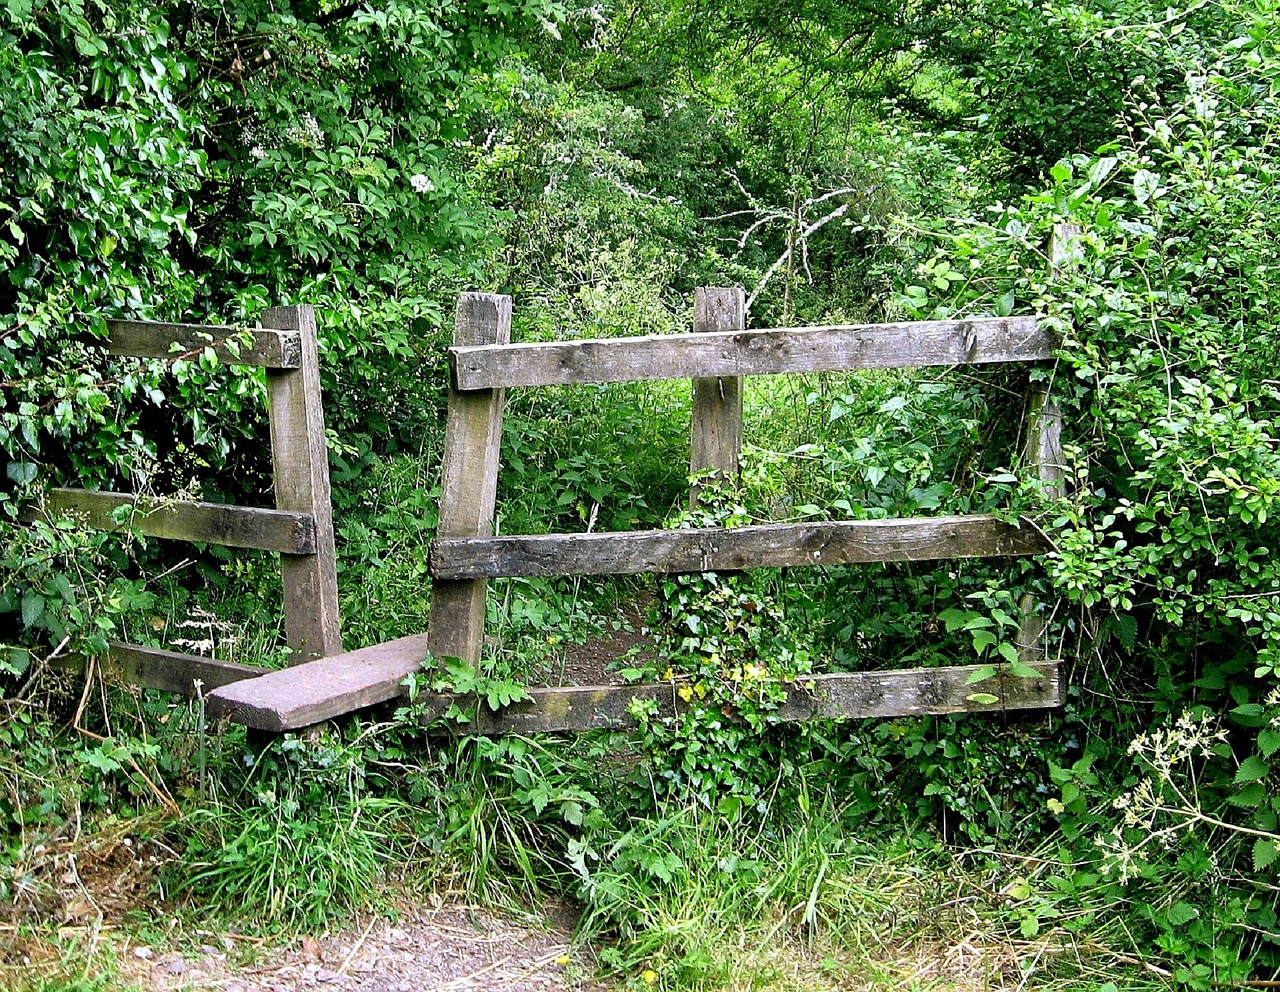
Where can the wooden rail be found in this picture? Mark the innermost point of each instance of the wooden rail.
(763, 352)
(210, 523)
(715, 549)
(270, 348)
(293, 698)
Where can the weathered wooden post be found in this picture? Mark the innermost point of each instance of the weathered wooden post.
(469, 481)
(717, 401)
(311, 615)
(1042, 452)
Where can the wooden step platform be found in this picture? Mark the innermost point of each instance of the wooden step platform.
(314, 691)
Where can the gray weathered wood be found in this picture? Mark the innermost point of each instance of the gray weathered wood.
(757, 352)
(714, 549)
(277, 349)
(717, 400)
(844, 696)
(174, 671)
(212, 523)
(1042, 454)
(297, 697)
(469, 485)
(301, 460)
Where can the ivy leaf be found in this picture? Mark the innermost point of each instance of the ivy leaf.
(1251, 769)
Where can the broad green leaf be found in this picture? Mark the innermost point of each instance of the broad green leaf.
(1264, 853)
(1251, 769)
(981, 674)
(1268, 742)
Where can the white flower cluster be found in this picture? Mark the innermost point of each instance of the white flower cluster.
(306, 133)
(421, 184)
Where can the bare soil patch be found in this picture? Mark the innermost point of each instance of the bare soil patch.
(445, 947)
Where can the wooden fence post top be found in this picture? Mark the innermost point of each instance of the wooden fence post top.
(717, 401)
(482, 318)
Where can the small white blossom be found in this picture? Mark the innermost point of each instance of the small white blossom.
(421, 184)
(306, 133)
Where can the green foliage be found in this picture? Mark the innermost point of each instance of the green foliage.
(298, 844)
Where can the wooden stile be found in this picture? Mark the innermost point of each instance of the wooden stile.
(272, 348)
(469, 486)
(715, 549)
(326, 683)
(966, 341)
(301, 461)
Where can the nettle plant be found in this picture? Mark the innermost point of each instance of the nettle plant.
(730, 649)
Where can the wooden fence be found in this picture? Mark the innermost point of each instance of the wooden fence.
(325, 682)
(716, 356)
(300, 527)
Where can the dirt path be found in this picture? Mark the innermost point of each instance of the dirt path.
(448, 948)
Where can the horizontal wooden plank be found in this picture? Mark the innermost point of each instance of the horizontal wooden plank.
(173, 671)
(319, 690)
(760, 352)
(720, 549)
(212, 523)
(843, 696)
(272, 349)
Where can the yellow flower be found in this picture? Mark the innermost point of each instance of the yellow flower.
(650, 976)
(562, 960)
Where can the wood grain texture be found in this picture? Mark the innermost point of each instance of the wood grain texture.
(174, 671)
(719, 549)
(757, 352)
(1042, 455)
(211, 523)
(717, 401)
(844, 696)
(297, 697)
(272, 348)
(469, 486)
(301, 461)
